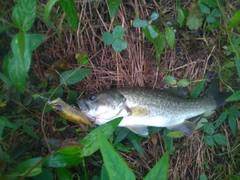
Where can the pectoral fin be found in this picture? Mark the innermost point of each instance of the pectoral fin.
(187, 127)
(141, 130)
(139, 111)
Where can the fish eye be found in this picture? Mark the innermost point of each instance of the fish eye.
(58, 108)
(92, 97)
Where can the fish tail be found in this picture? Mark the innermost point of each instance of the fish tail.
(218, 97)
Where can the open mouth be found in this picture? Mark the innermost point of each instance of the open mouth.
(83, 106)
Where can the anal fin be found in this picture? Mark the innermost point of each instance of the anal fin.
(187, 127)
(141, 130)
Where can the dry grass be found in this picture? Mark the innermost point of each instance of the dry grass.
(136, 66)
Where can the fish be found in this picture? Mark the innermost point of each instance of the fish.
(68, 112)
(144, 107)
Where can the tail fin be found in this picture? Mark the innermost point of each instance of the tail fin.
(219, 97)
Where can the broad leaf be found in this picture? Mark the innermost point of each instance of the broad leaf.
(29, 131)
(107, 38)
(220, 139)
(209, 140)
(140, 23)
(232, 123)
(197, 90)
(71, 12)
(170, 36)
(59, 159)
(22, 168)
(221, 119)
(64, 174)
(234, 97)
(113, 162)
(90, 142)
(160, 170)
(119, 45)
(195, 18)
(73, 76)
(209, 128)
(234, 21)
(24, 14)
(113, 7)
(136, 141)
(118, 32)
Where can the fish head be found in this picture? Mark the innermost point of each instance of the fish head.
(102, 107)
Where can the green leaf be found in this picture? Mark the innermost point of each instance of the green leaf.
(29, 131)
(182, 14)
(116, 167)
(197, 90)
(234, 97)
(170, 36)
(152, 31)
(232, 123)
(216, 13)
(121, 135)
(4, 28)
(25, 166)
(234, 21)
(212, 3)
(104, 173)
(121, 147)
(201, 123)
(203, 177)
(220, 139)
(136, 141)
(119, 45)
(58, 160)
(183, 82)
(209, 128)
(118, 32)
(209, 140)
(90, 141)
(46, 174)
(2, 125)
(70, 150)
(154, 16)
(35, 40)
(46, 15)
(24, 14)
(168, 142)
(71, 97)
(237, 63)
(5, 80)
(107, 38)
(175, 134)
(159, 43)
(17, 73)
(54, 92)
(160, 170)
(170, 80)
(140, 23)
(195, 18)
(71, 12)
(204, 8)
(113, 6)
(73, 76)
(64, 174)
(221, 119)
(211, 19)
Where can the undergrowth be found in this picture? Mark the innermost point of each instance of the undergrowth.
(60, 49)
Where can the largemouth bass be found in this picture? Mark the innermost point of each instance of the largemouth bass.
(141, 107)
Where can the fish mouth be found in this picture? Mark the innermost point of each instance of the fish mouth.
(83, 106)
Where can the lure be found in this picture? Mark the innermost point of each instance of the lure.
(68, 112)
